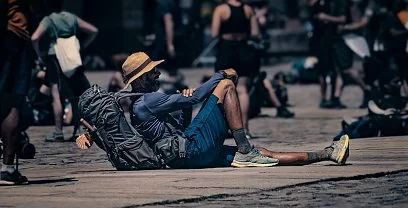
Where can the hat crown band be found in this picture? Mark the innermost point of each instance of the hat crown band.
(139, 68)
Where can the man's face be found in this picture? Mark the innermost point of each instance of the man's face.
(153, 79)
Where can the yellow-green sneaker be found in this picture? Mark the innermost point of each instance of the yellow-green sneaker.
(253, 159)
(341, 150)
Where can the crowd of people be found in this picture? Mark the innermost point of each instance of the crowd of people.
(227, 96)
(382, 26)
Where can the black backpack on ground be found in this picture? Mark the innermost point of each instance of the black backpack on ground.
(112, 132)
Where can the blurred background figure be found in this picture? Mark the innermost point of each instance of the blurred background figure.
(234, 23)
(166, 20)
(356, 12)
(14, 80)
(59, 23)
(261, 88)
(328, 46)
(398, 29)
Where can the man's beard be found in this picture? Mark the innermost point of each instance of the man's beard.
(155, 85)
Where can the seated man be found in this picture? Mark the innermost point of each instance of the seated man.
(205, 135)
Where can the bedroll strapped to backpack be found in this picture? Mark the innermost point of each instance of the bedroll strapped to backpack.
(112, 132)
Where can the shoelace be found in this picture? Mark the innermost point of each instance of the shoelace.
(258, 154)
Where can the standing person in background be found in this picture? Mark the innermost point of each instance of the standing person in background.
(164, 28)
(326, 16)
(397, 44)
(234, 23)
(65, 25)
(354, 25)
(14, 80)
(261, 10)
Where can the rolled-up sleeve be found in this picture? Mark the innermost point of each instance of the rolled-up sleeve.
(163, 103)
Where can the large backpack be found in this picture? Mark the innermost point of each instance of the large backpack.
(126, 149)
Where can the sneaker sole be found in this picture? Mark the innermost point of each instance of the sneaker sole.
(9, 183)
(250, 164)
(343, 161)
(340, 158)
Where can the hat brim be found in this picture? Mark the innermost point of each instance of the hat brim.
(148, 68)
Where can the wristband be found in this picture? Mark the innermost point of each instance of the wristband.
(224, 74)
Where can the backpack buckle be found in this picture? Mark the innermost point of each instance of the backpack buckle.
(182, 147)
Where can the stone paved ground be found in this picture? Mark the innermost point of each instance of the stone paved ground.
(378, 191)
(63, 176)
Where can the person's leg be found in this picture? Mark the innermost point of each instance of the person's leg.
(9, 131)
(358, 79)
(282, 111)
(338, 84)
(57, 107)
(52, 77)
(242, 90)
(12, 95)
(78, 85)
(246, 155)
(401, 61)
(343, 61)
(227, 95)
(209, 129)
(324, 66)
(323, 90)
(337, 152)
(271, 93)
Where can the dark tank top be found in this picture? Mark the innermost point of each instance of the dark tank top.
(237, 22)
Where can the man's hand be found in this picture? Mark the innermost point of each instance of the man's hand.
(187, 92)
(322, 16)
(232, 75)
(84, 141)
(171, 51)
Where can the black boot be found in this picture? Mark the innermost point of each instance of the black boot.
(335, 103)
(283, 112)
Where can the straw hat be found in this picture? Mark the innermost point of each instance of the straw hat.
(136, 65)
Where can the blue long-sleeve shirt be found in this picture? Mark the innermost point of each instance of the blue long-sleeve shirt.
(149, 114)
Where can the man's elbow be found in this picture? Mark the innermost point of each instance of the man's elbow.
(95, 31)
(35, 38)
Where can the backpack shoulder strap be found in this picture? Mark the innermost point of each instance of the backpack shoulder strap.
(54, 28)
(124, 94)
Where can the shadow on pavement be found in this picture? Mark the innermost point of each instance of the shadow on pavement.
(49, 181)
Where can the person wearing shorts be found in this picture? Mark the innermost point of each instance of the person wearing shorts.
(235, 23)
(62, 24)
(206, 133)
(14, 81)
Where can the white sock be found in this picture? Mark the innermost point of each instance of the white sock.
(9, 168)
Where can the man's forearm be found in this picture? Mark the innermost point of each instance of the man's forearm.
(36, 47)
(89, 40)
(169, 28)
(356, 25)
(206, 89)
(395, 32)
(336, 19)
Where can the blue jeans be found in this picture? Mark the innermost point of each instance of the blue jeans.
(207, 133)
